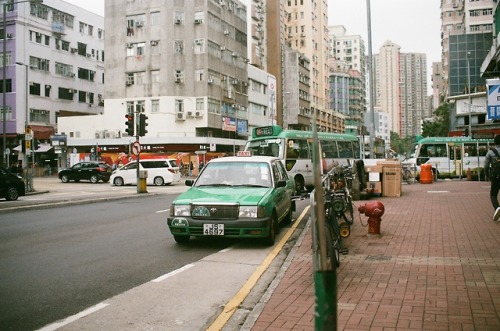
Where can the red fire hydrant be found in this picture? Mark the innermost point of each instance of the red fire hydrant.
(374, 210)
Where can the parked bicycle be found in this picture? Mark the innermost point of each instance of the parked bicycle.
(339, 211)
(408, 171)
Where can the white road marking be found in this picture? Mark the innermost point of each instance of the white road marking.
(162, 211)
(172, 273)
(71, 319)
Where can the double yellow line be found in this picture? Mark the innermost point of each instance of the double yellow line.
(236, 301)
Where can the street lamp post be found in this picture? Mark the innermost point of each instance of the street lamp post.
(4, 70)
(468, 91)
(370, 74)
(29, 178)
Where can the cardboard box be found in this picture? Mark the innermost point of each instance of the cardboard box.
(373, 168)
(375, 186)
(391, 181)
(391, 163)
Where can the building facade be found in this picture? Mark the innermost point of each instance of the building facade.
(54, 67)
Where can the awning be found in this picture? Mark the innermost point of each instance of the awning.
(42, 132)
(18, 148)
(43, 149)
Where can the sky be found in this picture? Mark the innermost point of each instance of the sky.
(415, 25)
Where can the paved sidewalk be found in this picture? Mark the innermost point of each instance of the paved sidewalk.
(436, 266)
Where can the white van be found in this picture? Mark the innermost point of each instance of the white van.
(160, 172)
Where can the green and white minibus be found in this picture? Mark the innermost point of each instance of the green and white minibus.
(451, 156)
(294, 148)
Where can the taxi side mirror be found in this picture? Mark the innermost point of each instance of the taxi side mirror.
(281, 183)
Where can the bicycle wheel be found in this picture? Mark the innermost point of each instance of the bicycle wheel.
(349, 213)
(407, 176)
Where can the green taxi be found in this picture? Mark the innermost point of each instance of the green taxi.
(239, 197)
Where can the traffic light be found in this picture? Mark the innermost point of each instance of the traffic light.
(142, 125)
(130, 123)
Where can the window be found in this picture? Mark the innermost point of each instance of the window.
(155, 18)
(34, 89)
(178, 46)
(8, 112)
(86, 74)
(8, 58)
(200, 104)
(155, 76)
(64, 70)
(40, 64)
(155, 48)
(155, 106)
(65, 93)
(130, 78)
(198, 75)
(39, 11)
(140, 77)
(47, 90)
(179, 76)
(199, 46)
(39, 115)
(179, 105)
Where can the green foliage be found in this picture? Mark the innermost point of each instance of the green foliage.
(401, 145)
(439, 126)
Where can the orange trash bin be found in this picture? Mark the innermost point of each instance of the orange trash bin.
(426, 176)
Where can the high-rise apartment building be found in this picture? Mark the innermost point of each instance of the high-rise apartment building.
(400, 81)
(306, 31)
(458, 19)
(349, 50)
(54, 67)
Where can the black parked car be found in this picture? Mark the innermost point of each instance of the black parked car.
(11, 185)
(89, 170)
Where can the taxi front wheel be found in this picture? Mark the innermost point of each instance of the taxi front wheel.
(181, 239)
(273, 231)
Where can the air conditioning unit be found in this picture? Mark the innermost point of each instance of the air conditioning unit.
(178, 21)
(177, 80)
(198, 21)
(180, 116)
(10, 35)
(128, 83)
(99, 96)
(222, 3)
(130, 45)
(223, 48)
(139, 24)
(198, 114)
(154, 42)
(72, 90)
(189, 113)
(198, 41)
(109, 134)
(74, 50)
(226, 32)
(98, 134)
(234, 82)
(89, 55)
(71, 75)
(235, 54)
(210, 81)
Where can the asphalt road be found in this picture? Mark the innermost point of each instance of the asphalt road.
(82, 244)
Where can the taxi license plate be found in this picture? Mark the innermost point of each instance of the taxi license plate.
(213, 229)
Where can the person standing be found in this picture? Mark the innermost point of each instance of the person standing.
(191, 167)
(491, 157)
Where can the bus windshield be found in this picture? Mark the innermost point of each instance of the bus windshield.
(266, 147)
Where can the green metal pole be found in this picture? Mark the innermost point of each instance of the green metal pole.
(325, 279)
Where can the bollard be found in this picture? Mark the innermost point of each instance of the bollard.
(374, 210)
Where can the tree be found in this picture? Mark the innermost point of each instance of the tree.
(439, 125)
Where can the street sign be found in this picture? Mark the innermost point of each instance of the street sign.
(136, 148)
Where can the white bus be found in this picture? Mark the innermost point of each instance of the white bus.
(294, 148)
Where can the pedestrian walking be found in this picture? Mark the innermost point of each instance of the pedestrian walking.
(492, 170)
(191, 167)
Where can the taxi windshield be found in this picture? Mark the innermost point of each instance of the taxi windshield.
(252, 174)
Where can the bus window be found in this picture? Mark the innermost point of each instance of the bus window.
(329, 149)
(483, 149)
(355, 148)
(297, 149)
(265, 147)
(470, 149)
(441, 150)
(345, 149)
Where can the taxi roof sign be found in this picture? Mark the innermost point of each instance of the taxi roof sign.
(244, 153)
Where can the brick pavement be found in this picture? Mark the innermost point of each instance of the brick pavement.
(436, 266)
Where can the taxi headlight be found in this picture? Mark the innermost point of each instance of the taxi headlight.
(180, 210)
(251, 211)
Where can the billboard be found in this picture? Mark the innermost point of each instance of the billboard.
(493, 106)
